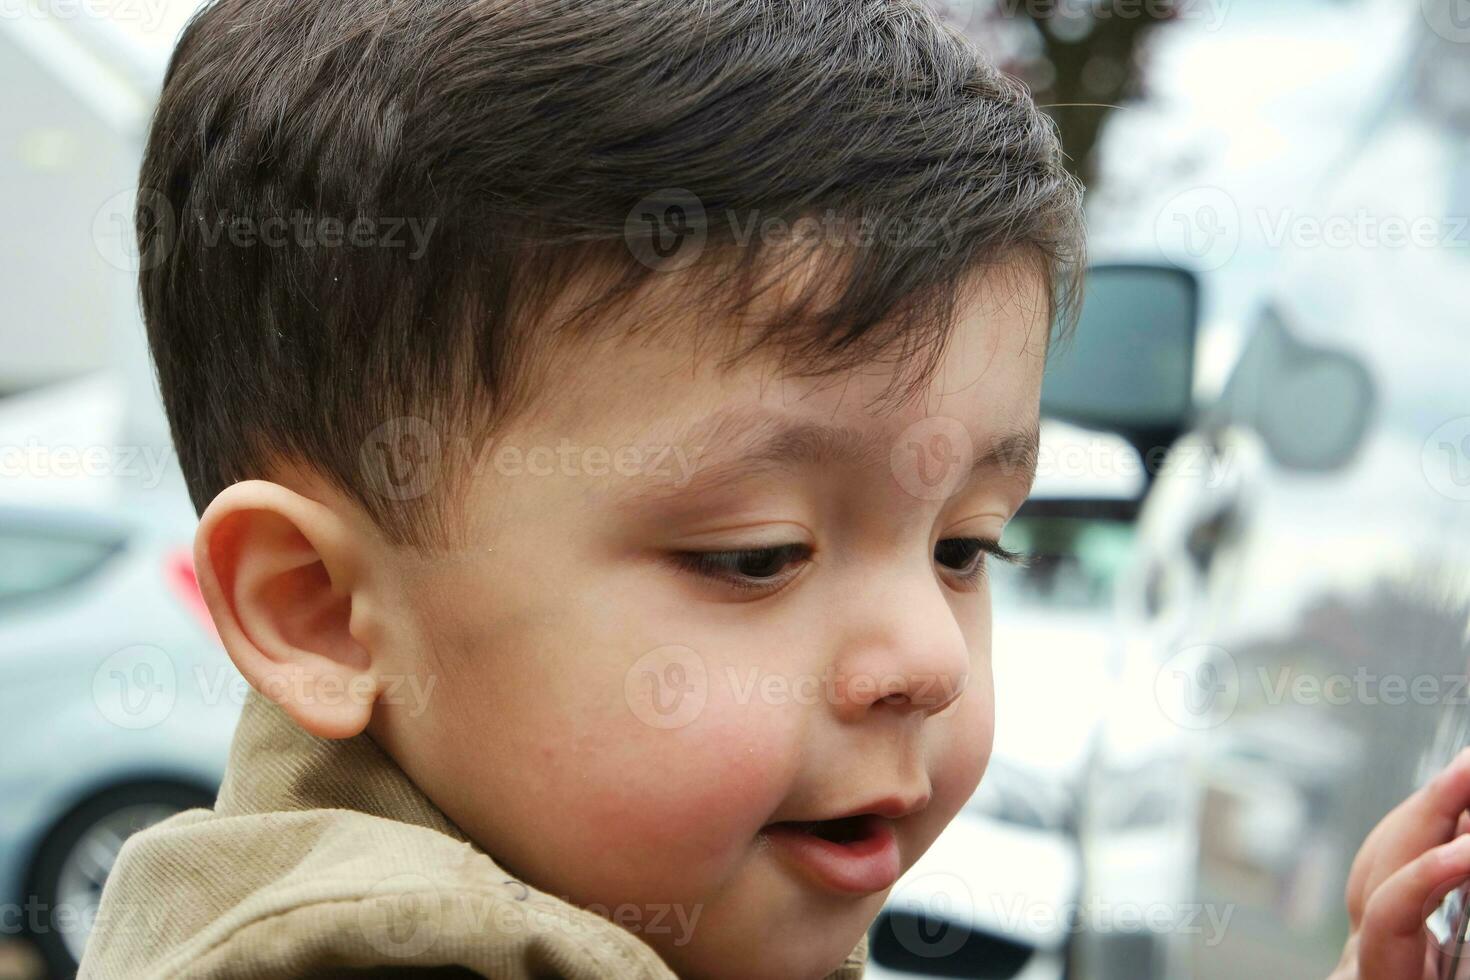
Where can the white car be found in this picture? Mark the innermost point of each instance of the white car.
(1296, 653)
(116, 699)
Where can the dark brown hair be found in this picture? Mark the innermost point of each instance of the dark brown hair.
(538, 145)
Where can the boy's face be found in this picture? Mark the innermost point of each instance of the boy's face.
(621, 722)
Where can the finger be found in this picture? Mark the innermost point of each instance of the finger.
(1429, 817)
(1392, 939)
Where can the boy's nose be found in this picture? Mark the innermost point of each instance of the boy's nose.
(903, 652)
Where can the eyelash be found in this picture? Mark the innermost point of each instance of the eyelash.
(983, 547)
(722, 566)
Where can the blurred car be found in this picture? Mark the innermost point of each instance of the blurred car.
(1197, 167)
(1295, 621)
(117, 706)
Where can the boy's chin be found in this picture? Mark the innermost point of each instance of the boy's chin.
(812, 956)
(763, 963)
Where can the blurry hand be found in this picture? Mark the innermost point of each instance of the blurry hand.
(1410, 861)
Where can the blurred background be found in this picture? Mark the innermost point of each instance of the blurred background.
(1247, 633)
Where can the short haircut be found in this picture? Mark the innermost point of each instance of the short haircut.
(539, 146)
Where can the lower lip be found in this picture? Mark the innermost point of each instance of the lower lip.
(861, 867)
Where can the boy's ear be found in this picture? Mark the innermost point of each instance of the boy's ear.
(280, 572)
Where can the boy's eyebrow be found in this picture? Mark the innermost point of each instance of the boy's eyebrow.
(754, 440)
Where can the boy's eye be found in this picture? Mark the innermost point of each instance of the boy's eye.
(748, 568)
(765, 568)
(960, 554)
(966, 556)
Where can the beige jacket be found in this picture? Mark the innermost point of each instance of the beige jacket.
(321, 858)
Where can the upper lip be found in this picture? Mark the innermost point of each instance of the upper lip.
(892, 807)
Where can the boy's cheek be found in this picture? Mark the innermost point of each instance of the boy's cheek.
(718, 777)
(666, 812)
(962, 748)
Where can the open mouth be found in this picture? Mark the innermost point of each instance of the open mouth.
(854, 855)
(844, 830)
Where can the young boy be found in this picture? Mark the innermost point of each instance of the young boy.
(600, 413)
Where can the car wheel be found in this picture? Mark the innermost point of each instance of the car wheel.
(74, 860)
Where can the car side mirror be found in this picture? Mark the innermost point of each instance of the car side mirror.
(1312, 406)
(1129, 367)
